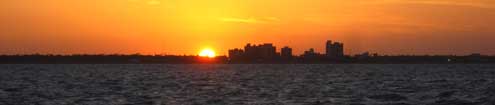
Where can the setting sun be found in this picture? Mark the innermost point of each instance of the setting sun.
(207, 53)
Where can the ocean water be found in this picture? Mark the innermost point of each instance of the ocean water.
(247, 84)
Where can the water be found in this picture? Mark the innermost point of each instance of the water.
(247, 84)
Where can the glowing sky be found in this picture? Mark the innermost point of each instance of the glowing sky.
(187, 26)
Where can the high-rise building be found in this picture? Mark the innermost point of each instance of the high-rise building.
(339, 49)
(260, 52)
(286, 52)
(267, 51)
(334, 50)
(329, 47)
(310, 53)
(236, 54)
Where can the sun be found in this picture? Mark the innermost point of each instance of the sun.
(207, 53)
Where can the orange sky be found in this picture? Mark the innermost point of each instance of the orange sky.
(187, 26)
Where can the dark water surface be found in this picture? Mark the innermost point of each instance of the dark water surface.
(247, 84)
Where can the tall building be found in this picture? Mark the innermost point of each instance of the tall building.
(339, 49)
(260, 52)
(267, 51)
(286, 52)
(329, 47)
(236, 54)
(334, 50)
(310, 53)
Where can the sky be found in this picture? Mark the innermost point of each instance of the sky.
(184, 27)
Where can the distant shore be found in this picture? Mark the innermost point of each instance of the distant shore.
(174, 59)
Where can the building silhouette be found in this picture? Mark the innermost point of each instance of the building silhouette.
(334, 50)
(236, 53)
(310, 53)
(286, 53)
(264, 53)
(261, 52)
(255, 53)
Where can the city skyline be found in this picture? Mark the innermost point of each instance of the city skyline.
(265, 53)
(185, 27)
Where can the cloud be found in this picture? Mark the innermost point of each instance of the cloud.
(239, 20)
(272, 19)
(444, 2)
(154, 2)
(249, 20)
(148, 2)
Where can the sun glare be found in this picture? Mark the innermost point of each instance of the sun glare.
(207, 53)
